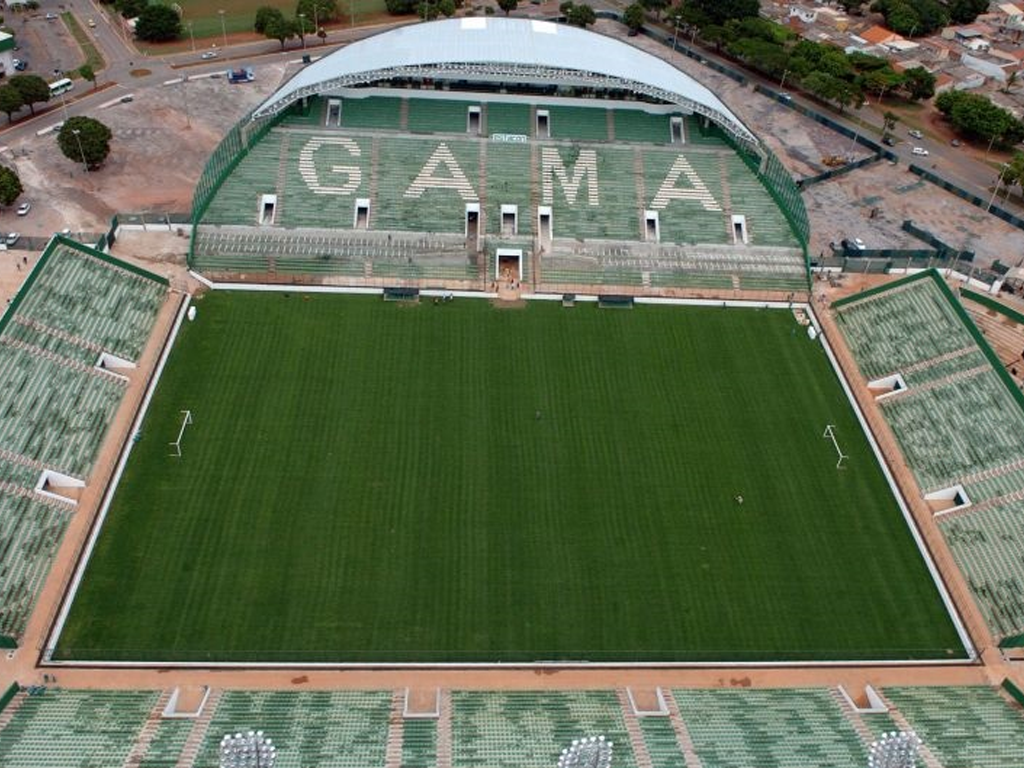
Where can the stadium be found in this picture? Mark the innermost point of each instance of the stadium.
(499, 408)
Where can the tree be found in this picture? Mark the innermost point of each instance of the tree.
(158, 24)
(318, 11)
(889, 121)
(427, 10)
(263, 14)
(565, 7)
(130, 9)
(720, 11)
(322, 34)
(10, 185)
(508, 5)
(87, 73)
(633, 18)
(919, 84)
(976, 116)
(447, 8)
(1011, 81)
(84, 139)
(277, 27)
(32, 88)
(581, 15)
(966, 11)
(10, 100)
(400, 7)
(655, 5)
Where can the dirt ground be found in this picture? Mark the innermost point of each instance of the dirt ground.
(162, 140)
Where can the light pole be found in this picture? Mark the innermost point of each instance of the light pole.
(192, 37)
(675, 35)
(184, 92)
(999, 180)
(302, 29)
(78, 138)
(782, 82)
(990, 143)
(223, 29)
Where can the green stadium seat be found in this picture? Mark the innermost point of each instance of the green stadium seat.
(73, 729)
(970, 726)
(782, 728)
(327, 729)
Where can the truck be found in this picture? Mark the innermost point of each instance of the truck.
(241, 75)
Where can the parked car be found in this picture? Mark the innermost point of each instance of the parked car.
(955, 143)
(916, 134)
(12, 238)
(889, 141)
(92, 23)
(209, 55)
(19, 64)
(920, 151)
(51, 16)
(858, 244)
(24, 208)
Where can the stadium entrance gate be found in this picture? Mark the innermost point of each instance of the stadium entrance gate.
(508, 264)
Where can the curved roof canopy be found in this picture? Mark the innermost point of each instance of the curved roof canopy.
(504, 50)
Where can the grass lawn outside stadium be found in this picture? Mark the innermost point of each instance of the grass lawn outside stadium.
(374, 482)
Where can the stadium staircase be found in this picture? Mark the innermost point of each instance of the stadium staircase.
(282, 176)
(197, 734)
(396, 736)
(636, 734)
(681, 731)
(148, 733)
(445, 741)
(854, 717)
(8, 713)
(925, 753)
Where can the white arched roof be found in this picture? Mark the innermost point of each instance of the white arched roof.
(507, 50)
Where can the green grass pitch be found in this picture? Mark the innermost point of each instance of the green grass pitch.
(368, 481)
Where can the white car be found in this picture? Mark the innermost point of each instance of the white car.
(858, 244)
(13, 238)
(24, 208)
(209, 55)
(919, 151)
(915, 134)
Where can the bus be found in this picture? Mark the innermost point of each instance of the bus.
(58, 87)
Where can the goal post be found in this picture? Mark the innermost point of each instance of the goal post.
(830, 432)
(176, 445)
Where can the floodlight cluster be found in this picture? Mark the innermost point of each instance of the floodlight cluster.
(592, 752)
(897, 749)
(247, 750)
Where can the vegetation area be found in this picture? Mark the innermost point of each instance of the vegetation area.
(93, 57)
(84, 140)
(975, 116)
(10, 185)
(821, 69)
(366, 480)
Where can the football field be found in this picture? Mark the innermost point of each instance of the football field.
(377, 482)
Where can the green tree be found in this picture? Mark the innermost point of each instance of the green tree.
(10, 185)
(581, 15)
(508, 5)
(322, 34)
(86, 72)
(318, 11)
(130, 9)
(447, 8)
(427, 10)
(158, 24)
(263, 14)
(655, 5)
(277, 27)
(565, 7)
(400, 7)
(889, 120)
(32, 88)
(918, 83)
(84, 139)
(976, 116)
(720, 11)
(633, 18)
(1011, 81)
(10, 100)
